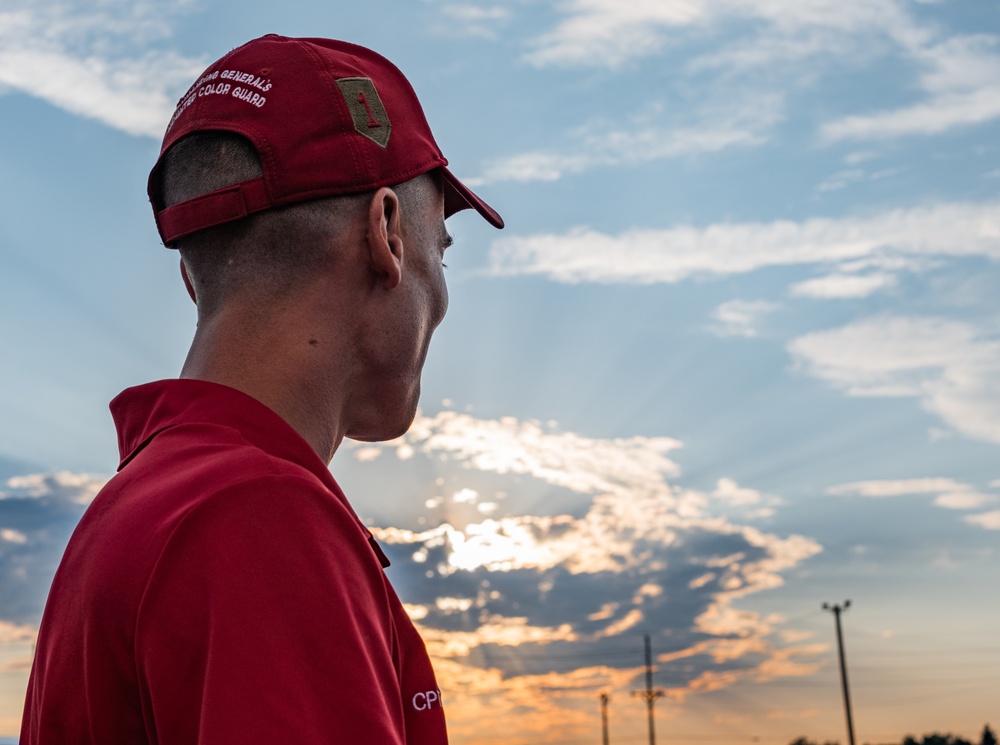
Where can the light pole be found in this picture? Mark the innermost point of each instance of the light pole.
(837, 610)
(604, 717)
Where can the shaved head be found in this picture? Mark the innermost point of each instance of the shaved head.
(270, 252)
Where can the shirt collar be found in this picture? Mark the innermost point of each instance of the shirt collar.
(142, 412)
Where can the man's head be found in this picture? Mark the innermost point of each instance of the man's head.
(326, 118)
(301, 184)
(266, 254)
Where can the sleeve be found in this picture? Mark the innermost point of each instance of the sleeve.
(266, 620)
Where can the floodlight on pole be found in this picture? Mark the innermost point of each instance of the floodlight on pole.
(605, 698)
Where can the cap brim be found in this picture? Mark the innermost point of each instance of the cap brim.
(458, 197)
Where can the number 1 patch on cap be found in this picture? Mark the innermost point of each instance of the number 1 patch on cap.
(366, 109)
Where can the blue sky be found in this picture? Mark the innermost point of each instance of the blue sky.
(736, 354)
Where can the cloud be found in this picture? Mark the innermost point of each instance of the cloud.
(476, 21)
(740, 317)
(988, 520)
(13, 536)
(962, 83)
(11, 633)
(950, 494)
(38, 512)
(959, 75)
(964, 500)
(841, 285)
(96, 60)
(516, 601)
(512, 446)
(898, 487)
(950, 367)
(601, 145)
(933, 117)
(609, 33)
(649, 256)
(842, 179)
(61, 486)
(540, 704)
(729, 491)
(476, 13)
(16, 641)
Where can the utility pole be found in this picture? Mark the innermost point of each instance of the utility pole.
(837, 610)
(604, 716)
(651, 694)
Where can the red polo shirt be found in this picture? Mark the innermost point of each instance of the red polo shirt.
(220, 589)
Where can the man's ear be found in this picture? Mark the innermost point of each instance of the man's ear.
(187, 283)
(385, 237)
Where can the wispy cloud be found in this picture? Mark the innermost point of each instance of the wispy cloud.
(477, 12)
(645, 139)
(958, 75)
(949, 494)
(880, 488)
(741, 317)
(962, 85)
(843, 179)
(841, 285)
(15, 649)
(679, 253)
(988, 520)
(11, 632)
(12, 536)
(932, 117)
(97, 60)
(950, 367)
(609, 33)
(62, 486)
(730, 491)
(476, 21)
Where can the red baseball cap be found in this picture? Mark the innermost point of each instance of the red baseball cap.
(326, 117)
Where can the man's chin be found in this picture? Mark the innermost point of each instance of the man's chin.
(384, 429)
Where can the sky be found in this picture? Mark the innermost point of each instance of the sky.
(735, 355)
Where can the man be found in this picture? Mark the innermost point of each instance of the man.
(220, 589)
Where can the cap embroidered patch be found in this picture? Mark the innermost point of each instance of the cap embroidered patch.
(366, 109)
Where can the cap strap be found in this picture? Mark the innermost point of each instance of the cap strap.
(211, 209)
